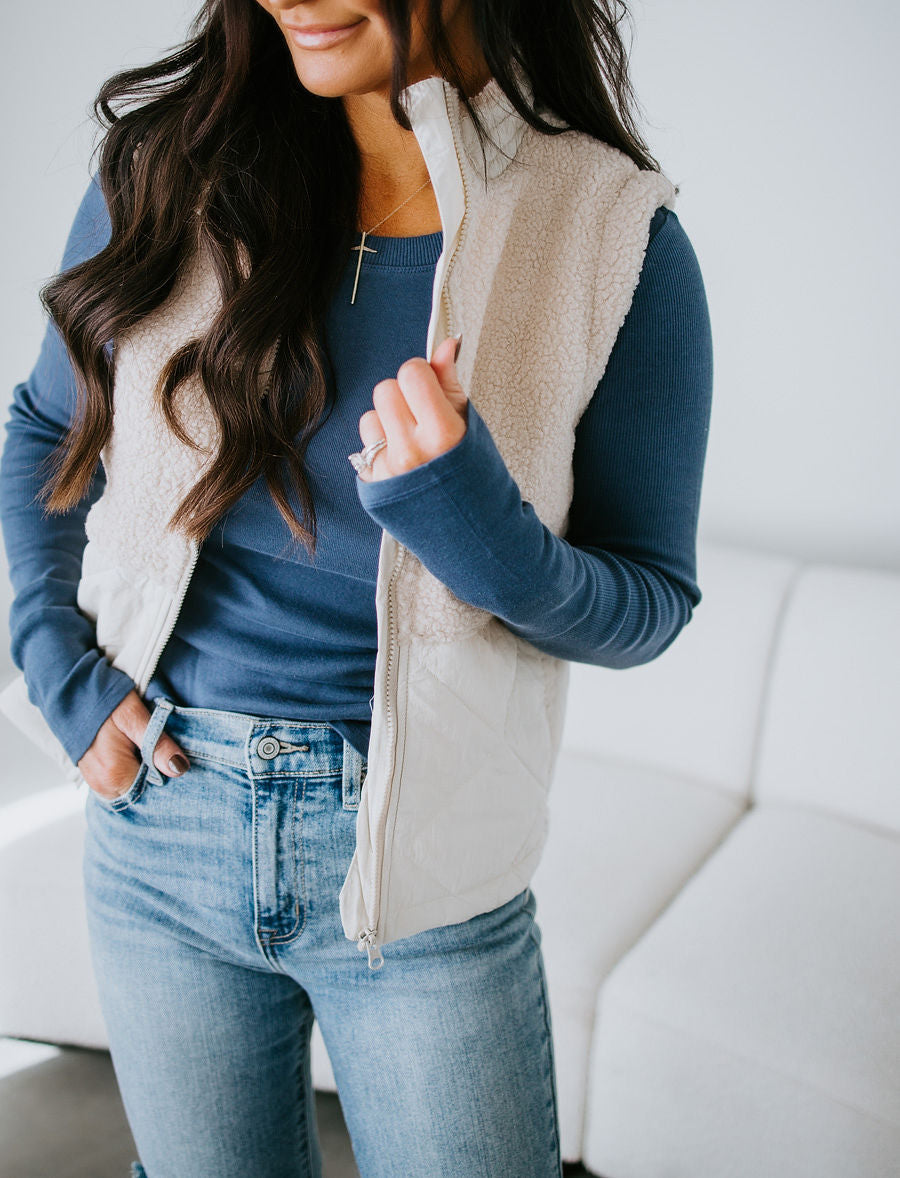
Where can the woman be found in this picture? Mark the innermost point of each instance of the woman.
(310, 711)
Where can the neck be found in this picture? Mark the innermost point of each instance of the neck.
(392, 164)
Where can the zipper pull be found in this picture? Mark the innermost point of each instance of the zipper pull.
(368, 940)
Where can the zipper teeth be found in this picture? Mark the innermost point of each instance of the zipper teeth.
(369, 932)
(174, 611)
(463, 225)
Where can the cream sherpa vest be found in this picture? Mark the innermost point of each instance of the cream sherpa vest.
(539, 267)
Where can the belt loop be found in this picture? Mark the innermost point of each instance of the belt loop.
(161, 711)
(353, 776)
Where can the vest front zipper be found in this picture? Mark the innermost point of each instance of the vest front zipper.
(367, 938)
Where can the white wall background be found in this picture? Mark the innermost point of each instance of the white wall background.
(56, 55)
(777, 122)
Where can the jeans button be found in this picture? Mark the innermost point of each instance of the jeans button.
(268, 748)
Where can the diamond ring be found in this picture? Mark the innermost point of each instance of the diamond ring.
(362, 459)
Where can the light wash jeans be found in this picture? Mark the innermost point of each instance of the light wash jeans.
(216, 938)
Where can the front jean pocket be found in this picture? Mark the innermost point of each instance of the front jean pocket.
(147, 773)
(131, 795)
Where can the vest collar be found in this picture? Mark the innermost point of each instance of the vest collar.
(433, 100)
(452, 154)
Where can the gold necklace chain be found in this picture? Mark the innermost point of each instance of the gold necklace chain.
(398, 208)
(363, 248)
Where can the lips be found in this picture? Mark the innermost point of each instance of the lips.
(320, 28)
(320, 36)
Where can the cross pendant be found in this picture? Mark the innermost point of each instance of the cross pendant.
(359, 257)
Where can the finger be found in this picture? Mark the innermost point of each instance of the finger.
(170, 758)
(112, 786)
(425, 396)
(370, 430)
(399, 429)
(443, 364)
(126, 770)
(393, 409)
(111, 773)
(132, 718)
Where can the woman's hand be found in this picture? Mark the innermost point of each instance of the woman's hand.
(111, 763)
(421, 414)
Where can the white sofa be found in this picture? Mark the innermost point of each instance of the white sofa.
(719, 897)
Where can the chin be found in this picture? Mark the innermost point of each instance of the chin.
(331, 81)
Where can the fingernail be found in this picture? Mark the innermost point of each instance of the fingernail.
(458, 339)
(178, 765)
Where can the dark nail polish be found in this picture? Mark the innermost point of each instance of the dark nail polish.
(179, 764)
(458, 346)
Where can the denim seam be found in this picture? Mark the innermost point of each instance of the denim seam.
(294, 933)
(306, 1111)
(316, 773)
(195, 756)
(550, 1080)
(273, 721)
(257, 912)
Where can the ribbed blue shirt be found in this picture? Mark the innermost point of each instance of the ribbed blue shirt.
(268, 631)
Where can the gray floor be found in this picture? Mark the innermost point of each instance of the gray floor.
(63, 1119)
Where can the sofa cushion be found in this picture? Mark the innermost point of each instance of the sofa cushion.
(50, 994)
(830, 735)
(753, 1030)
(622, 841)
(693, 711)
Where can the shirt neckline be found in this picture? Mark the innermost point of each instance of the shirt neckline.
(403, 253)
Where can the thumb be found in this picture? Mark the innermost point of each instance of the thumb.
(443, 362)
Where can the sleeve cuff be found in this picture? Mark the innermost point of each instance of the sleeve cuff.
(448, 465)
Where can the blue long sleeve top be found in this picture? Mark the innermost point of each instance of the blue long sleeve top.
(267, 630)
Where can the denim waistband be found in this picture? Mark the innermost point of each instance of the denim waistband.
(263, 746)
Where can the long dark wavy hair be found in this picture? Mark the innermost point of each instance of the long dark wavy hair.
(237, 155)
